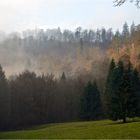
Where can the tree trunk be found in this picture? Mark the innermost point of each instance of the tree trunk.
(124, 120)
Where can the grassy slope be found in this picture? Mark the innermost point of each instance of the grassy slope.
(98, 129)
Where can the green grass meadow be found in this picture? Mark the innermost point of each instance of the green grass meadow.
(78, 130)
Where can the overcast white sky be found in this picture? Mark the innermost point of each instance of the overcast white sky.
(18, 15)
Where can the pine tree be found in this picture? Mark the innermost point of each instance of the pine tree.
(116, 41)
(132, 31)
(125, 32)
(134, 97)
(108, 88)
(110, 73)
(96, 104)
(4, 101)
(126, 91)
(63, 77)
(85, 102)
(115, 98)
(132, 28)
(91, 103)
(123, 94)
(130, 90)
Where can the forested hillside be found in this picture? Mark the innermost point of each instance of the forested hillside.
(59, 76)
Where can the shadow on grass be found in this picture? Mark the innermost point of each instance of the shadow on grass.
(24, 128)
(43, 126)
(128, 121)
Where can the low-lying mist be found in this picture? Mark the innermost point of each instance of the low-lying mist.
(55, 60)
(45, 55)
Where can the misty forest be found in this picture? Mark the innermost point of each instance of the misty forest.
(62, 75)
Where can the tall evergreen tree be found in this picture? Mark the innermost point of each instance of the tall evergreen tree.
(85, 102)
(96, 105)
(123, 93)
(115, 98)
(125, 32)
(116, 41)
(63, 77)
(4, 101)
(103, 35)
(108, 88)
(91, 103)
(134, 97)
(132, 32)
(132, 28)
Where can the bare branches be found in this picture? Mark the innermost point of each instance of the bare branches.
(120, 2)
(138, 3)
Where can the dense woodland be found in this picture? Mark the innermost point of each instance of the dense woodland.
(104, 89)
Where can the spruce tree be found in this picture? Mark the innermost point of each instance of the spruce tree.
(132, 28)
(123, 95)
(85, 102)
(134, 97)
(63, 77)
(108, 88)
(91, 103)
(126, 92)
(96, 104)
(129, 93)
(125, 33)
(4, 101)
(115, 99)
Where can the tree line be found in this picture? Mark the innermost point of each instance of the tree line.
(56, 37)
(29, 99)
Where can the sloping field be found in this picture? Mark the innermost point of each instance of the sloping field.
(78, 130)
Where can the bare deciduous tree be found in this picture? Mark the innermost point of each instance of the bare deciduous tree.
(120, 2)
